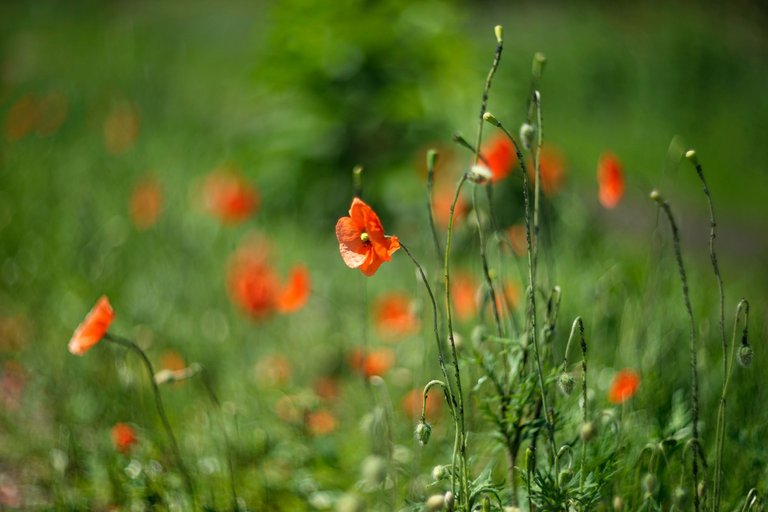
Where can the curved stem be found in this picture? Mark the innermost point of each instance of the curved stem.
(124, 342)
(486, 272)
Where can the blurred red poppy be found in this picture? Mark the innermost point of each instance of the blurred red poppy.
(442, 200)
(294, 295)
(552, 169)
(464, 295)
(500, 156)
(394, 316)
(123, 437)
(374, 362)
(228, 196)
(21, 118)
(362, 242)
(253, 283)
(93, 328)
(146, 203)
(121, 128)
(610, 179)
(624, 386)
(321, 422)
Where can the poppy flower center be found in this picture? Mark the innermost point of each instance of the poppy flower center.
(364, 237)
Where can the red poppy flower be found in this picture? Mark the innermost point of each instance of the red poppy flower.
(321, 422)
(362, 242)
(394, 316)
(123, 437)
(146, 203)
(327, 388)
(295, 294)
(375, 362)
(228, 196)
(22, 117)
(412, 402)
(551, 168)
(121, 128)
(464, 294)
(253, 283)
(624, 385)
(93, 328)
(500, 156)
(610, 179)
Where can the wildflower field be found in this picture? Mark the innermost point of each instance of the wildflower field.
(377, 256)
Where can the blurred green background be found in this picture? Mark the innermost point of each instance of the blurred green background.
(294, 94)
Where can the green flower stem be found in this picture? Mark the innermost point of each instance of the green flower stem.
(126, 343)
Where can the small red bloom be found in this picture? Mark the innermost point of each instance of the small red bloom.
(362, 242)
(295, 294)
(93, 328)
(464, 294)
(228, 196)
(123, 437)
(500, 156)
(253, 284)
(321, 422)
(146, 203)
(121, 128)
(624, 385)
(394, 316)
(374, 362)
(610, 179)
(552, 169)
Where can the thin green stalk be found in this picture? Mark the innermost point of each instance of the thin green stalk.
(461, 437)
(486, 271)
(431, 160)
(584, 400)
(721, 417)
(694, 375)
(533, 335)
(537, 184)
(126, 343)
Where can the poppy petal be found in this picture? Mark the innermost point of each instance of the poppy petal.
(296, 293)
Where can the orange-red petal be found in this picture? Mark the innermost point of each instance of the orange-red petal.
(296, 292)
(93, 328)
(624, 385)
(123, 437)
(610, 179)
(500, 155)
(351, 247)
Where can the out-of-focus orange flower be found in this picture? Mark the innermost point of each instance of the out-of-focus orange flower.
(362, 242)
(52, 111)
(610, 180)
(146, 203)
(228, 196)
(12, 382)
(273, 370)
(22, 117)
(123, 437)
(321, 422)
(517, 239)
(442, 199)
(253, 283)
(121, 128)
(93, 328)
(295, 294)
(326, 388)
(500, 156)
(394, 316)
(412, 402)
(464, 295)
(374, 362)
(172, 360)
(624, 386)
(552, 169)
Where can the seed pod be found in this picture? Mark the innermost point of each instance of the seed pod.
(439, 472)
(422, 432)
(566, 383)
(449, 500)
(745, 356)
(650, 483)
(527, 132)
(435, 502)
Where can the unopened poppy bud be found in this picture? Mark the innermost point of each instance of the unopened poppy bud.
(449, 500)
(680, 497)
(491, 119)
(527, 132)
(564, 477)
(435, 502)
(566, 383)
(650, 483)
(618, 503)
(422, 432)
(164, 376)
(479, 174)
(498, 30)
(439, 472)
(745, 356)
(431, 158)
(655, 195)
(537, 67)
(588, 431)
(692, 157)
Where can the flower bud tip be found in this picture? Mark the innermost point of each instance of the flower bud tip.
(499, 31)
